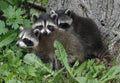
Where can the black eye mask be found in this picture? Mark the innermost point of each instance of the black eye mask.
(40, 27)
(51, 28)
(64, 25)
(28, 42)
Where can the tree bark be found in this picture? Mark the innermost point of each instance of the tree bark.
(106, 14)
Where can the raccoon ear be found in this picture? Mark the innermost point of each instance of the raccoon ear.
(35, 17)
(36, 32)
(53, 14)
(21, 28)
(68, 12)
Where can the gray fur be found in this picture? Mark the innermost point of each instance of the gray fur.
(84, 28)
(45, 49)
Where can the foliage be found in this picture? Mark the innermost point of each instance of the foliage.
(44, 2)
(14, 69)
(3, 30)
(8, 38)
(88, 71)
(11, 18)
(18, 66)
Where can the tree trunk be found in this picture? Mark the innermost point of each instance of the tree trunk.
(106, 13)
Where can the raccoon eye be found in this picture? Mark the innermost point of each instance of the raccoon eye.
(51, 28)
(39, 27)
(28, 42)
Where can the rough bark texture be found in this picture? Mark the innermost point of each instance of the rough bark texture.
(106, 13)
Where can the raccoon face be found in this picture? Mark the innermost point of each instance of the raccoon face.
(63, 18)
(28, 38)
(44, 23)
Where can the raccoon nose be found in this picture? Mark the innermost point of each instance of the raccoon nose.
(17, 44)
(45, 33)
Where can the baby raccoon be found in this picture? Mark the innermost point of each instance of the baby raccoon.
(44, 23)
(84, 28)
(42, 45)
